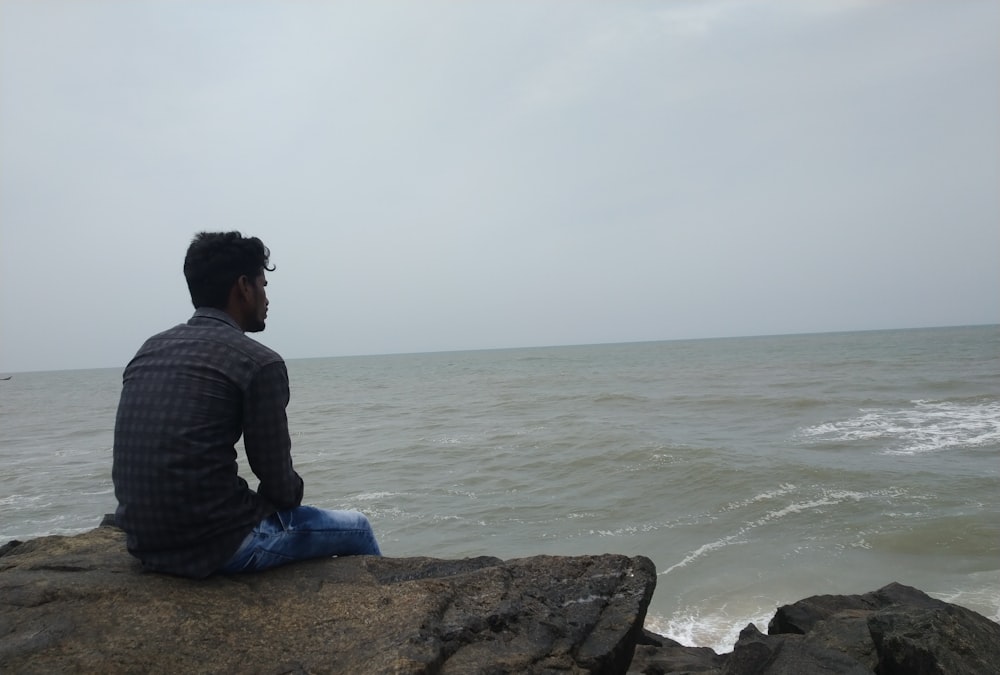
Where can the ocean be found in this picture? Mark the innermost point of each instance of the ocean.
(753, 471)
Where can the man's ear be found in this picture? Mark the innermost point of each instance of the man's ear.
(244, 286)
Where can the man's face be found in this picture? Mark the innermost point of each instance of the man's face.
(256, 313)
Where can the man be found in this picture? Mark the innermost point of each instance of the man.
(187, 397)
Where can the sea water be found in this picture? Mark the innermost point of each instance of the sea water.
(752, 471)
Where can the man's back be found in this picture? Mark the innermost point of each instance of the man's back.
(187, 396)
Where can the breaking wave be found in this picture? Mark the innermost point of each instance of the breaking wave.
(926, 426)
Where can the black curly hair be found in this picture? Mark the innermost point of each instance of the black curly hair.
(215, 260)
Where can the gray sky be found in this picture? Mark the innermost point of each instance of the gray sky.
(464, 175)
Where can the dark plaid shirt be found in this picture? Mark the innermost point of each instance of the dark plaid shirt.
(187, 396)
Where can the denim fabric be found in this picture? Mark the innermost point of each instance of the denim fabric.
(302, 533)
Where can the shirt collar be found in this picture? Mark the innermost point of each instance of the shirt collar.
(216, 314)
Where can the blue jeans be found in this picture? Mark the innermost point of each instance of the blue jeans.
(302, 533)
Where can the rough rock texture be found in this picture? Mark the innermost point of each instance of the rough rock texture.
(896, 630)
(82, 604)
(657, 655)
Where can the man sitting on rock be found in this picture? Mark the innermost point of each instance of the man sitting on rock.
(187, 397)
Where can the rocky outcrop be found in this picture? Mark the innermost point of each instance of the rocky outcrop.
(896, 630)
(82, 604)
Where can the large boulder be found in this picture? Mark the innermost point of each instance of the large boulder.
(896, 630)
(82, 604)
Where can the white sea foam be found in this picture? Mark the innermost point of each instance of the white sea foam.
(717, 629)
(982, 595)
(825, 497)
(92, 493)
(26, 501)
(702, 550)
(373, 496)
(927, 426)
(780, 491)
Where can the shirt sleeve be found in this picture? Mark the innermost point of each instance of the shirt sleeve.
(265, 437)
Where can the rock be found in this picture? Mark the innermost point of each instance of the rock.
(82, 604)
(788, 655)
(656, 655)
(896, 630)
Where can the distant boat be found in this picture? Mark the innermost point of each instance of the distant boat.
(6, 378)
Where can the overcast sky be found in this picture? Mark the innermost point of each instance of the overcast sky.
(465, 175)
